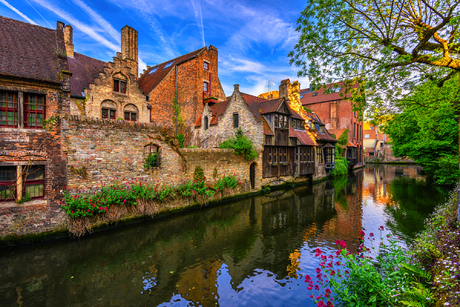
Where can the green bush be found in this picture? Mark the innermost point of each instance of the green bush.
(447, 171)
(180, 138)
(341, 167)
(24, 199)
(151, 160)
(241, 144)
(198, 174)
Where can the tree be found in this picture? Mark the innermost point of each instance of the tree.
(428, 134)
(387, 46)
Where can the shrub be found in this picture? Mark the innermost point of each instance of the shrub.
(24, 199)
(341, 167)
(198, 174)
(180, 138)
(241, 144)
(151, 160)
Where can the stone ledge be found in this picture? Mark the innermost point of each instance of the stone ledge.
(11, 204)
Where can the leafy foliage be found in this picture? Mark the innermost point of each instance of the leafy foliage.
(198, 174)
(241, 144)
(96, 201)
(341, 167)
(180, 139)
(426, 130)
(379, 46)
(342, 144)
(151, 160)
(24, 199)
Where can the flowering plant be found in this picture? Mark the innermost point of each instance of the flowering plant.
(348, 279)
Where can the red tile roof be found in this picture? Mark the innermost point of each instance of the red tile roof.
(295, 115)
(84, 69)
(302, 136)
(267, 130)
(28, 50)
(309, 98)
(198, 122)
(152, 77)
(260, 106)
(325, 136)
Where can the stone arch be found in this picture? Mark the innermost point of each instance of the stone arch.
(108, 109)
(131, 112)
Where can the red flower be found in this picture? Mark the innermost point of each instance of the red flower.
(321, 304)
(318, 270)
(381, 228)
(329, 304)
(343, 244)
(307, 278)
(371, 235)
(361, 233)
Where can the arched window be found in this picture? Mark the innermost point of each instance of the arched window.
(108, 109)
(152, 156)
(131, 113)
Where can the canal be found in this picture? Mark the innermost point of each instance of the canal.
(252, 252)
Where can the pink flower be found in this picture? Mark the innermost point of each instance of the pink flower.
(321, 304)
(371, 234)
(316, 287)
(309, 288)
(318, 270)
(329, 304)
(381, 228)
(343, 244)
(307, 278)
(361, 233)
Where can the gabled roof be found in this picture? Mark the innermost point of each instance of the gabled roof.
(267, 130)
(84, 69)
(295, 115)
(260, 106)
(319, 95)
(325, 136)
(152, 77)
(302, 136)
(28, 51)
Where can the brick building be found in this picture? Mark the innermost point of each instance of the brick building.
(107, 90)
(194, 76)
(337, 114)
(289, 147)
(34, 93)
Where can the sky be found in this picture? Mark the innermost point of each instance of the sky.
(253, 38)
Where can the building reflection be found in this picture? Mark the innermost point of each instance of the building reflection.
(182, 256)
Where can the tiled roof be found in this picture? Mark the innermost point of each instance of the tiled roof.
(28, 50)
(267, 130)
(325, 136)
(295, 115)
(152, 77)
(219, 108)
(198, 122)
(302, 136)
(315, 118)
(260, 106)
(320, 96)
(84, 69)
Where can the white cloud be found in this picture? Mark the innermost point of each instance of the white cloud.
(199, 18)
(76, 23)
(104, 24)
(18, 12)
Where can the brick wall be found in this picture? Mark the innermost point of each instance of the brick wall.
(190, 78)
(26, 147)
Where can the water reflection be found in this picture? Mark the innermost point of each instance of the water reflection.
(251, 252)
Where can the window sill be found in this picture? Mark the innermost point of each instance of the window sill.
(119, 93)
(22, 130)
(12, 203)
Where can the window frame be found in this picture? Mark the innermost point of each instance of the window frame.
(206, 123)
(319, 155)
(7, 109)
(205, 87)
(109, 110)
(236, 121)
(117, 86)
(9, 183)
(27, 110)
(131, 113)
(33, 182)
(153, 148)
(205, 65)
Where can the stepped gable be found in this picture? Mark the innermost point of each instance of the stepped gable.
(84, 69)
(153, 76)
(29, 51)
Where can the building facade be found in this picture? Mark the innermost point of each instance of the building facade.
(192, 78)
(330, 103)
(34, 95)
(107, 90)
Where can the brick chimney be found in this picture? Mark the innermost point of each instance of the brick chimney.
(129, 48)
(285, 89)
(68, 39)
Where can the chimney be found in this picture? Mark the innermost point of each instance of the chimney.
(129, 48)
(68, 39)
(285, 88)
(236, 87)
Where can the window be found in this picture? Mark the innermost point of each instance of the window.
(7, 182)
(283, 154)
(206, 65)
(235, 120)
(301, 96)
(32, 181)
(206, 123)
(108, 113)
(205, 87)
(329, 154)
(151, 156)
(319, 155)
(34, 110)
(276, 121)
(130, 116)
(168, 64)
(8, 109)
(269, 154)
(296, 154)
(274, 154)
(354, 130)
(119, 86)
(153, 70)
(315, 94)
(366, 136)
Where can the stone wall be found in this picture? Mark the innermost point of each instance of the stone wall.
(215, 134)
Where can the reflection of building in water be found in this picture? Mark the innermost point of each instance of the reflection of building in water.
(378, 177)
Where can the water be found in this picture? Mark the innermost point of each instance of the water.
(253, 252)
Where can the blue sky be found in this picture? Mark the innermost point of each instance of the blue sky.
(253, 37)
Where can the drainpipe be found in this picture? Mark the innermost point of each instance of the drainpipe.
(177, 103)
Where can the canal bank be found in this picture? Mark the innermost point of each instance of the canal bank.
(253, 251)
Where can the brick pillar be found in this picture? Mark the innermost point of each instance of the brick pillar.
(68, 39)
(129, 48)
(333, 116)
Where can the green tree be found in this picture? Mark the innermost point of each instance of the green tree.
(387, 46)
(241, 144)
(426, 130)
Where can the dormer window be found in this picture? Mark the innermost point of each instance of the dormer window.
(205, 65)
(119, 86)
